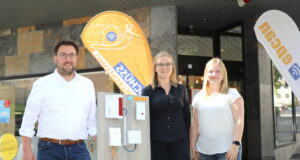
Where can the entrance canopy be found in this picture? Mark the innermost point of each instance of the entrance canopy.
(192, 14)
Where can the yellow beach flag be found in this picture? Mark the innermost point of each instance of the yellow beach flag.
(120, 46)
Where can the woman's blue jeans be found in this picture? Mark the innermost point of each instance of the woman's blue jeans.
(54, 151)
(220, 156)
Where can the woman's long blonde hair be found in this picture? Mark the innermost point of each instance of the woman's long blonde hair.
(173, 78)
(224, 84)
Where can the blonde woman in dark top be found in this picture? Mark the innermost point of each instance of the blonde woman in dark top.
(169, 112)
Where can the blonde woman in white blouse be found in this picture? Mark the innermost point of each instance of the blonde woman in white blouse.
(218, 117)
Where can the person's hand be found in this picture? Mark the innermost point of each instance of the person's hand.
(233, 152)
(28, 155)
(195, 153)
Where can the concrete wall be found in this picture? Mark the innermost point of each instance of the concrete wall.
(266, 105)
(163, 30)
(284, 153)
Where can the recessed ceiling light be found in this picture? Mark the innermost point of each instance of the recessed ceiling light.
(204, 19)
(191, 28)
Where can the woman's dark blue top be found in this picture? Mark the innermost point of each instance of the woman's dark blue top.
(170, 116)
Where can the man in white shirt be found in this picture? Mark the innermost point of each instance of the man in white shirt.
(64, 105)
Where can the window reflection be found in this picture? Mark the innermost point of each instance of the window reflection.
(22, 90)
(297, 113)
(102, 83)
(283, 110)
(192, 45)
(194, 81)
(195, 84)
(231, 48)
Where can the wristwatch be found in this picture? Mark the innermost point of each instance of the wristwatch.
(236, 143)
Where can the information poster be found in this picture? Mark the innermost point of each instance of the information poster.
(4, 111)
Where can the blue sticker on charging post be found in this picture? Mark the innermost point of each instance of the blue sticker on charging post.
(130, 98)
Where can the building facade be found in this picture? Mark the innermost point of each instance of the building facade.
(270, 130)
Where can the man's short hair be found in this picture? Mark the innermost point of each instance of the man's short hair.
(66, 43)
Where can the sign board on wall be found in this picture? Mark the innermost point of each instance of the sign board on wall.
(4, 111)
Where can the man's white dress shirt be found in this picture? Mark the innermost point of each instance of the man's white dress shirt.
(63, 109)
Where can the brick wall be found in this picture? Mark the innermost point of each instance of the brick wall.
(28, 50)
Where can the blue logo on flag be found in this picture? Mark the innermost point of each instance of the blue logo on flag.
(129, 78)
(295, 71)
(111, 36)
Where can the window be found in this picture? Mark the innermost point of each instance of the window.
(278, 96)
(22, 89)
(231, 48)
(283, 110)
(191, 45)
(287, 96)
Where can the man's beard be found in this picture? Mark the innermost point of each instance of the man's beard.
(67, 72)
(63, 71)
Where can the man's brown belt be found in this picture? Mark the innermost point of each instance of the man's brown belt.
(62, 142)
